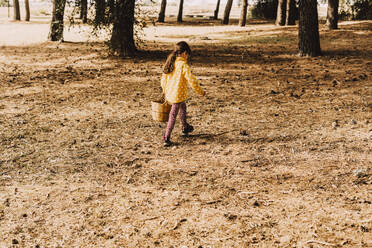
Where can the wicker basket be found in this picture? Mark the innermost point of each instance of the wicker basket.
(160, 111)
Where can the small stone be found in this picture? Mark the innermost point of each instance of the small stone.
(354, 122)
(364, 229)
(137, 166)
(335, 124)
(15, 242)
(273, 92)
(256, 204)
(243, 133)
(231, 217)
(363, 76)
(285, 239)
(360, 173)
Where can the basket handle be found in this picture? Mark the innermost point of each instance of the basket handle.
(163, 98)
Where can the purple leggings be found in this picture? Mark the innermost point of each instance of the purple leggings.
(176, 107)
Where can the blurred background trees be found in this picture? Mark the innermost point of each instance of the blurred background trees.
(163, 6)
(123, 21)
(16, 10)
(57, 23)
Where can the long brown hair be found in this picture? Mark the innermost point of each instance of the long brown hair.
(179, 48)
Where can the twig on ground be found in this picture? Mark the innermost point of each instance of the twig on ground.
(319, 242)
(150, 218)
(221, 239)
(178, 223)
(212, 202)
(248, 192)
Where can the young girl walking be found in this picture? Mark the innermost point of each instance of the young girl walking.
(176, 76)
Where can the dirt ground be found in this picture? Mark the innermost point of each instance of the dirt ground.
(280, 155)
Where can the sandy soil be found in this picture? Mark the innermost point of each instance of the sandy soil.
(281, 154)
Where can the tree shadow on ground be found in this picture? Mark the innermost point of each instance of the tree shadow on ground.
(334, 53)
(203, 53)
(221, 55)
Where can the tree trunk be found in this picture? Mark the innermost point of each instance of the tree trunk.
(281, 13)
(180, 11)
(56, 26)
(100, 11)
(215, 17)
(163, 6)
(17, 13)
(290, 13)
(84, 10)
(308, 31)
(226, 15)
(111, 10)
(122, 39)
(27, 8)
(332, 14)
(243, 14)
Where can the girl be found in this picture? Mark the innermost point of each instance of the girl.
(176, 76)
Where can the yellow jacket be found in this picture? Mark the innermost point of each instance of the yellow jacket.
(174, 84)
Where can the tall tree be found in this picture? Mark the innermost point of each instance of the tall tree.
(84, 10)
(290, 18)
(308, 31)
(27, 9)
(180, 11)
(17, 13)
(162, 11)
(332, 14)
(56, 26)
(100, 11)
(281, 12)
(111, 11)
(226, 15)
(215, 17)
(243, 14)
(122, 39)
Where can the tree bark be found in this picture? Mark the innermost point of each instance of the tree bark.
(308, 31)
(290, 18)
(180, 11)
(163, 6)
(226, 15)
(332, 14)
(243, 14)
(122, 38)
(56, 26)
(100, 11)
(17, 13)
(281, 13)
(27, 8)
(84, 10)
(111, 10)
(215, 17)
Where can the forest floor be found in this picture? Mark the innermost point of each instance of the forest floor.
(280, 155)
